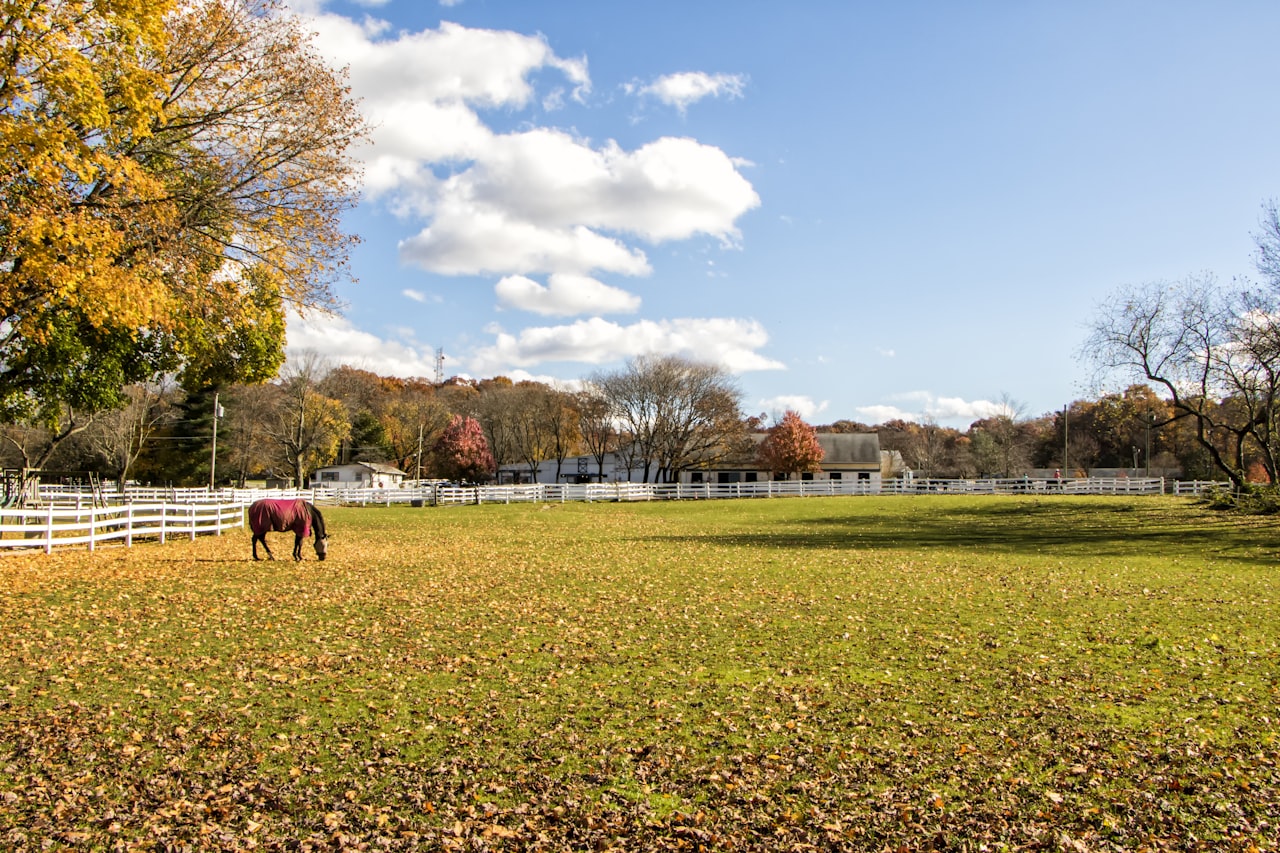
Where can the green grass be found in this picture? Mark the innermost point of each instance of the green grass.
(849, 673)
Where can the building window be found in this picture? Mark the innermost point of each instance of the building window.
(749, 477)
(864, 475)
(328, 476)
(834, 475)
(695, 476)
(806, 475)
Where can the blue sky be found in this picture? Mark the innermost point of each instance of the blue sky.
(863, 210)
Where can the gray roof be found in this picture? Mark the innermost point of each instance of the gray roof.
(850, 448)
(382, 468)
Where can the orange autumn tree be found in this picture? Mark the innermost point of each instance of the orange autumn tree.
(791, 446)
(173, 174)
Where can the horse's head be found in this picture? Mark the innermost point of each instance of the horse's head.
(322, 546)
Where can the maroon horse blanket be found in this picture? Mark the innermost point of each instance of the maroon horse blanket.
(280, 516)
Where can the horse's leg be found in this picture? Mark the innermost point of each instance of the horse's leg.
(263, 539)
(297, 546)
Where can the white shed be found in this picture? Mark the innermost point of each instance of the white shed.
(360, 475)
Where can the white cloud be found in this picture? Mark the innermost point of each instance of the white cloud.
(804, 406)
(336, 338)
(880, 414)
(493, 243)
(565, 295)
(956, 408)
(922, 406)
(420, 90)
(538, 202)
(688, 87)
(535, 201)
(415, 295)
(730, 343)
(546, 194)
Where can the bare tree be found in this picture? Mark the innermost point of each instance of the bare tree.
(677, 413)
(309, 426)
(1267, 258)
(561, 420)
(120, 435)
(1001, 443)
(497, 411)
(247, 447)
(1185, 338)
(595, 425)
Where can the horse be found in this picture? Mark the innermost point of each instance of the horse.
(279, 516)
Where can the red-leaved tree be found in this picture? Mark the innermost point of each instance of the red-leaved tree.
(791, 446)
(462, 453)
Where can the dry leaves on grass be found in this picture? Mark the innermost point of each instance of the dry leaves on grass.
(763, 676)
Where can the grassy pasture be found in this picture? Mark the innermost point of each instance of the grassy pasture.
(924, 673)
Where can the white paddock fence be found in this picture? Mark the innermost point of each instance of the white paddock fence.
(447, 494)
(66, 516)
(66, 523)
(443, 494)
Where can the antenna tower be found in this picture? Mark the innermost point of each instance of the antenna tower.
(439, 365)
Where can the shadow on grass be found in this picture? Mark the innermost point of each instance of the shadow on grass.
(1025, 527)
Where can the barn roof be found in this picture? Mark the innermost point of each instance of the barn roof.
(851, 448)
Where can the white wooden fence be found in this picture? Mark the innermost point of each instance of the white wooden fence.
(67, 517)
(598, 492)
(66, 523)
(446, 494)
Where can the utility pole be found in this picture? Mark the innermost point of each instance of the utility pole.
(1065, 467)
(418, 474)
(1151, 417)
(213, 453)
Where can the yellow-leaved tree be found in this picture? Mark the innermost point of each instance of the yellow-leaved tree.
(173, 176)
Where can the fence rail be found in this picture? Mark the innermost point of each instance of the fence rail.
(60, 524)
(442, 494)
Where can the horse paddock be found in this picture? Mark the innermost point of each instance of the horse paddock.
(855, 673)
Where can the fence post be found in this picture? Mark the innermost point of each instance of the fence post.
(93, 528)
(128, 524)
(164, 514)
(193, 521)
(48, 532)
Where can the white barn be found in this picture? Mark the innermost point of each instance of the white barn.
(846, 456)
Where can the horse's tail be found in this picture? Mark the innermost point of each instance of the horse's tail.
(317, 521)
